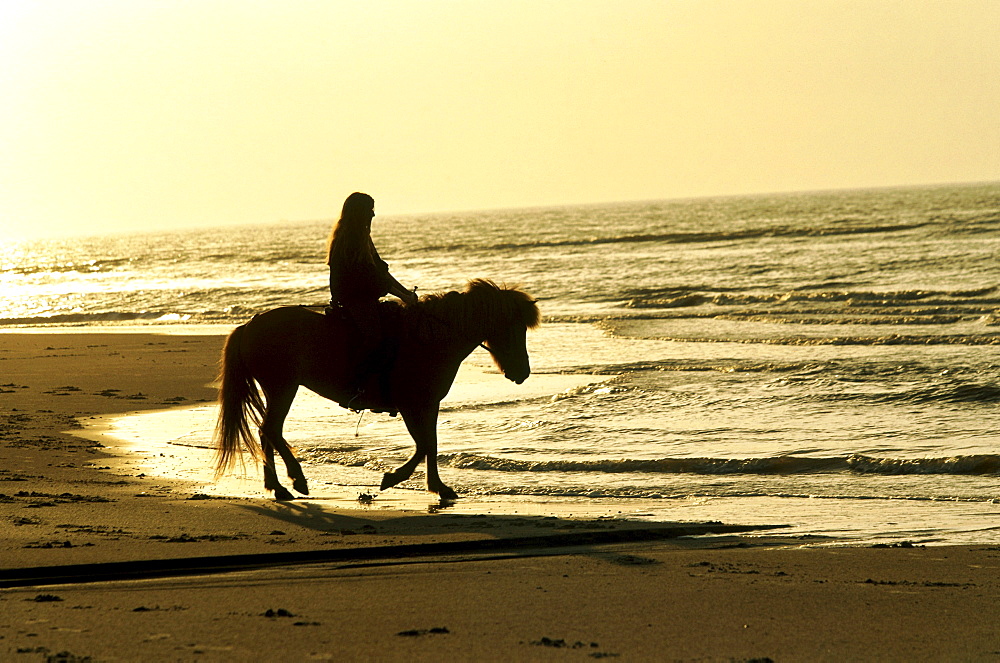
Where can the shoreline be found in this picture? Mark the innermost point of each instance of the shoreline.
(141, 435)
(169, 444)
(728, 596)
(175, 444)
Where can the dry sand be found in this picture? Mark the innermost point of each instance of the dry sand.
(96, 563)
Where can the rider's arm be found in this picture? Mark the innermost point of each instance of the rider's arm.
(394, 286)
(397, 289)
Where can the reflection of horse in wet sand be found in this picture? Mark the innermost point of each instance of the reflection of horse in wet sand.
(291, 346)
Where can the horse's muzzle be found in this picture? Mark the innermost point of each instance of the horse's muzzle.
(519, 378)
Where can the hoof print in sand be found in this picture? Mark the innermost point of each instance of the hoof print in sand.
(45, 598)
(280, 612)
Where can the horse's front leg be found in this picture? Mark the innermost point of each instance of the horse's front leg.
(405, 471)
(422, 426)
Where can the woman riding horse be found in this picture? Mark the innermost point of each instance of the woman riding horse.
(268, 358)
(359, 278)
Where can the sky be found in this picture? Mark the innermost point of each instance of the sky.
(121, 115)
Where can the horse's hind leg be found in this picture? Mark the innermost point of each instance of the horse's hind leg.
(270, 475)
(293, 467)
(279, 400)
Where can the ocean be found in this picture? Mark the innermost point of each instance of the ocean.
(828, 361)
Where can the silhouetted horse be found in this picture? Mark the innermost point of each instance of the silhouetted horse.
(291, 346)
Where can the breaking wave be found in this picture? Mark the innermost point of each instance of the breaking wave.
(83, 267)
(641, 493)
(80, 319)
(934, 300)
(694, 237)
(963, 392)
(984, 464)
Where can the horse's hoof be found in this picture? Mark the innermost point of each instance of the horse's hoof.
(388, 481)
(281, 494)
(447, 494)
(301, 485)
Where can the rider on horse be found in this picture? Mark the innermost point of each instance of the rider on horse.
(358, 279)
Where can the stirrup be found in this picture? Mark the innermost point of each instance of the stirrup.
(349, 405)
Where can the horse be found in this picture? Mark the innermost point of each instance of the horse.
(287, 347)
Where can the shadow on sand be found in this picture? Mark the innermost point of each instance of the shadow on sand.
(468, 536)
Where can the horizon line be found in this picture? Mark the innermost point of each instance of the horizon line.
(509, 208)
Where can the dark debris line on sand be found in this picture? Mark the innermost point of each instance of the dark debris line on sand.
(61, 657)
(560, 643)
(439, 630)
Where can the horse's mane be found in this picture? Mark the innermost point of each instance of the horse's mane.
(480, 307)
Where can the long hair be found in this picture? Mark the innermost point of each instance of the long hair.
(350, 238)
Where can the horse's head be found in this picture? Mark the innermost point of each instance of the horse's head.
(510, 353)
(510, 313)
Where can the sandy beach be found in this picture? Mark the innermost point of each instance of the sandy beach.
(100, 564)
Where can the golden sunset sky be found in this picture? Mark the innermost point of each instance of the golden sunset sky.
(142, 115)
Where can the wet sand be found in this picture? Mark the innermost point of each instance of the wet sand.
(227, 578)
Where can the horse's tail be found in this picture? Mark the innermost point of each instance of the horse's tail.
(241, 407)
